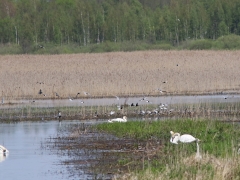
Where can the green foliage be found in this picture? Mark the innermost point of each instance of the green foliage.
(228, 42)
(217, 138)
(200, 44)
(106, 22)
(219, 142)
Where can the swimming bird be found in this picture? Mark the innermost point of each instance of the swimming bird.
(185, 138)
(144, 98)
(124, 119)
(3, 150)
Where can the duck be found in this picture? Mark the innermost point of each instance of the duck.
(124, 119)
(3, 150)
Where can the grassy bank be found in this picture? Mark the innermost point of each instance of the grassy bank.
(218, 148)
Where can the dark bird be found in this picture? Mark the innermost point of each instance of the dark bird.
(40, 91)
(57, 94)
(77, 94)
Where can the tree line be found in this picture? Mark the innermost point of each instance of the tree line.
(94, 21)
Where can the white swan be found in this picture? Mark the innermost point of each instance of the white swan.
(124, 119)
(185, 138)
(3, 150)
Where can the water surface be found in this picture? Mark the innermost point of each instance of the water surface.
(28, 159)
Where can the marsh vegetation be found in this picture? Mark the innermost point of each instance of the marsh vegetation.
(142, 149)
(120, 74)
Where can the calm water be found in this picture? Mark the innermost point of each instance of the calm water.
(27, 159)
(110, 101)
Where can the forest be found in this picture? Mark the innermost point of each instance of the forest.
(31, 23)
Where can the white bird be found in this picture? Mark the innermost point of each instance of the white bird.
(116, 97)
(86, 93)
(112, 112)
(161, 91)
(124, 119)
(185, 138)
(3, 150)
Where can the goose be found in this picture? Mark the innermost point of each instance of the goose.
(185, 138)
(3, 150)
(124, 119)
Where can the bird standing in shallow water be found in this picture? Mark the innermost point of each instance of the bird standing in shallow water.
(59, 115)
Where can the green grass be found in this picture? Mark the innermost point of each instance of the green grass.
(218, 146)
(216, 136)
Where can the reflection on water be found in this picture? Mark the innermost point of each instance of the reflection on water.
(3, 157)
(27, 158)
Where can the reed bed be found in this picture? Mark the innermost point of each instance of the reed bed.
(119, 73)
(221, 111)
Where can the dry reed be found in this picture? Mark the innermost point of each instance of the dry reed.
(119, 73)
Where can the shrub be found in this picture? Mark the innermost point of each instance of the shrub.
(231, 41)
(200, 44)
